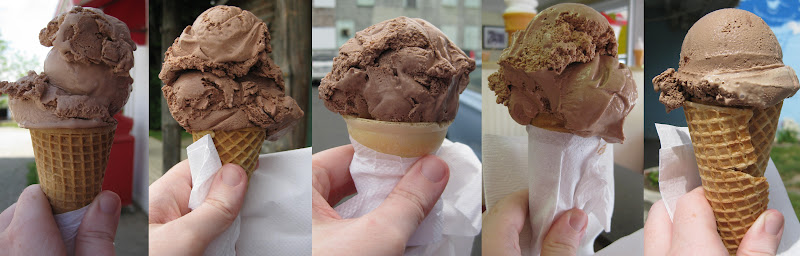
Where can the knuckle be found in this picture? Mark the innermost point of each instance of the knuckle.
(94, 236)
(223, 208)
(558, 247)
(416, 202)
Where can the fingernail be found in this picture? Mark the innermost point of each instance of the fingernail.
(433, 169)
(773, 223)
(231, 176)
(108, 204)
(577, 220)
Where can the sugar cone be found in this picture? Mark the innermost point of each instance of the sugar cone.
(71, 164)
(397, 138)
(240, 146)
(516, 21)
(732, 147)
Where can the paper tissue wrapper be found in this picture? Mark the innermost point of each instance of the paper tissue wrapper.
(562, 171)
(449, 229)
(276, 215)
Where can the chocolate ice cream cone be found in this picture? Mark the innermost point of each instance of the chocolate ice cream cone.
(71, 164)
(240, 146)
(397, 138)
(732, 147)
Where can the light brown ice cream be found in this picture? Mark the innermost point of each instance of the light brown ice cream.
(399, 70)
(218, 76)
(564, 66)
(86, 76)
(730, 57)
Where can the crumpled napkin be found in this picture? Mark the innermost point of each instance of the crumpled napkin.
(68, 224)
(450, 227)
(276, 215)
(678, 174)
(562, 171)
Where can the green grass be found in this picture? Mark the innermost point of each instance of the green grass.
(32, 177)
(156, 134)
(9, 123)
(795, 198)
(787, 160)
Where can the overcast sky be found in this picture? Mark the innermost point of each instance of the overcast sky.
(21, 21)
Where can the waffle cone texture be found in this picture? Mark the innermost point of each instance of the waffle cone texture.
(240, 146)
(71, 164)
(732, 147)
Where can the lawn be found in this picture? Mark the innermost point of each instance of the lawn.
(787, 159)
(156, 134)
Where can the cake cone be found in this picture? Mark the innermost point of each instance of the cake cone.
(732, 147)
(71, 164)
(240, 146)
(397, 138)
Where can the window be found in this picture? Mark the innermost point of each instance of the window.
(324, 3)
(411, 4)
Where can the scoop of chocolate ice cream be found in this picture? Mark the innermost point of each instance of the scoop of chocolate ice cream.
(401, 70)
(564, 66)
(730, 57)
(218, 76)
(86, 77)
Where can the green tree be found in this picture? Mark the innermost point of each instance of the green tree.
(14, 64)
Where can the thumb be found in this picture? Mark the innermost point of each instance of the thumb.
(415, 195)
(763, 237)
(565, 234)
(219, 210)
(99, 226)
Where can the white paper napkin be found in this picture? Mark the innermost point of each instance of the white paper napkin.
(204, 162)
(276, 215)
(454, 221)
(678, 174)
(562, 171)
(68, 224)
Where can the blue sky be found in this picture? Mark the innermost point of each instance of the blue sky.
(783, 16)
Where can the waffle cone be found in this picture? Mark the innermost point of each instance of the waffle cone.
(516, 21)
(71, 164)
(732, 147)
(397, 138)
(240, 146)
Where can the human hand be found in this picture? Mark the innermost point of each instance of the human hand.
(28, 226)
(503, 223)
(694, 230)
(175, 229)
(385, 230)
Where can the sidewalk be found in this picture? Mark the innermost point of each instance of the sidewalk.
(155, 158)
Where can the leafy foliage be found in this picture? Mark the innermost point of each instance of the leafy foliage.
(14, 64)
(787, 136)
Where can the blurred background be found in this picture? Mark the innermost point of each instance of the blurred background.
(288, 25)
(625, 17)
(667, 23)
(20, 51)
(334, 22)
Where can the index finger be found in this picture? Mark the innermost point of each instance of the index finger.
(503, 223)
(169, 195)
(331, 170)
(694, 227)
